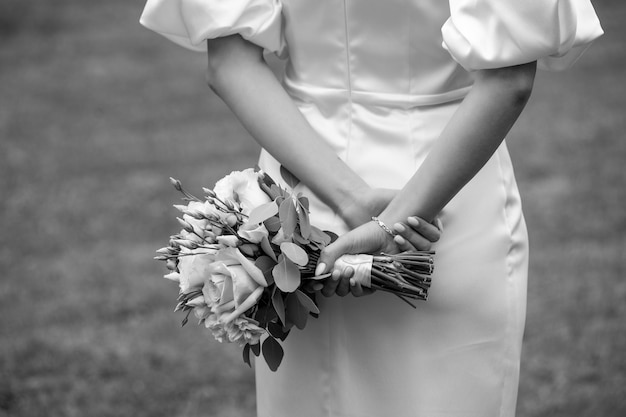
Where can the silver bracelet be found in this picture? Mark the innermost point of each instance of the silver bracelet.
(384, 226)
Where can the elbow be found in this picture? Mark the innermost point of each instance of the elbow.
(522, 82)
(516, 81)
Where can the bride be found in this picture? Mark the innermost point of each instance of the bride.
(391, 114)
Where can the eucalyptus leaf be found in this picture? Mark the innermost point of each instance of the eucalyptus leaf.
(273, 353)
(303, 221)
(263, 212)
(307, 302)
(295, 253)
(267, 248)
(286, 274)
(278, 331)
(265, 314)
(304, 202)
(297, 238)
(246, 354)
(288, 216)
(266, 264)
(272, 224)
(290, 179)
(279, 305)
(256, 349)
(296, 314)
(322, 238)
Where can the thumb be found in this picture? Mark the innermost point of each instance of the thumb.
(331, 253)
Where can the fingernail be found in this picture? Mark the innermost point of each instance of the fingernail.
(398, 227)
(335, 275)
(320, 269)
(352, 282)
(399, 240)
(413, 221)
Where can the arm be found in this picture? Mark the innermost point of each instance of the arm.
(471, 137)
(468, 141)
(239, 75)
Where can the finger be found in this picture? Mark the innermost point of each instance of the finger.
(330, 285)
(312, 286)
(329, 255)
(356, 288)
(408, 239)
(428, 230)
(343, 287)
(439, 224)
(403, 244)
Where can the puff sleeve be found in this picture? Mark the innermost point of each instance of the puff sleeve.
(190, 23)
(482, 34)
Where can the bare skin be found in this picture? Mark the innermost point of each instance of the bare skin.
(471, 137)
(238, 74)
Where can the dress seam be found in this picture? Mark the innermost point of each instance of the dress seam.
(506, 373)
(349, 80)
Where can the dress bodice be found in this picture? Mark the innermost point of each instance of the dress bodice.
(387, 51)
(393, 52)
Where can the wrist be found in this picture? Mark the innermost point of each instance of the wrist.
(384, 227)
(351, 204)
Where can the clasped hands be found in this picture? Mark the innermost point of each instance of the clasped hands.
(367, 236)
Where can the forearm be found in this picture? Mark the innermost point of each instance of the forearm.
(239, 75)
(468, 141)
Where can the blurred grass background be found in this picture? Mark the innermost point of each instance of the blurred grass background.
(96, 113)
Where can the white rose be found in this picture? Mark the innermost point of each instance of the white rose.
(194, 270)
(242, 187)
(228, 283)
(253, 233)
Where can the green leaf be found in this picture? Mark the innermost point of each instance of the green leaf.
(286, 274)
(307, 303)
(266, 264)
(303, 221)
(246, 354)
(278, 331)
(295, 253)
(273, 353)
(276, 190)
(265, 314)
(288, 216)
(295, 312)
(319, 237)
(256, 349)
(304, 202)
(279, 305)
(272, 224)
(267, 249)
(263, 212)
(298, 239)
(289, 178)
(303, 216)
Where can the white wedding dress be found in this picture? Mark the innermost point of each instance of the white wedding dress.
(379, 79)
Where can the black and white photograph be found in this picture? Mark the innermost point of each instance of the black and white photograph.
(313, 208)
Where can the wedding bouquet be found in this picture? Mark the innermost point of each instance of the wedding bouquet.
(246, 256)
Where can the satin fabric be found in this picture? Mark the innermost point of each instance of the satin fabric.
(379, 80)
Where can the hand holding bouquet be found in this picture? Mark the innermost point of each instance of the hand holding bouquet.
(245, 257)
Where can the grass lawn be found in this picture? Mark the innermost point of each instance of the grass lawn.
(96, 113)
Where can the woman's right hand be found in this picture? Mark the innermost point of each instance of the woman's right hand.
(415, 234)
